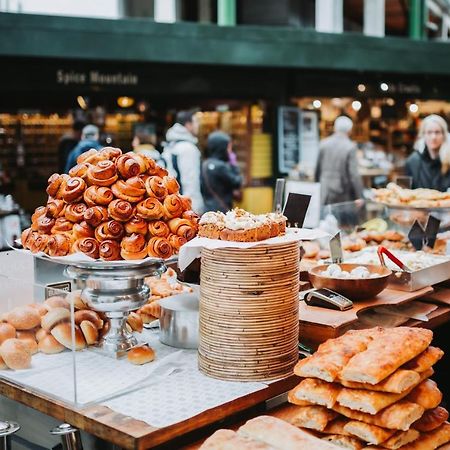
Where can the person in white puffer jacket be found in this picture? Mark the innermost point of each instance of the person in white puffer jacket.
(183, 158)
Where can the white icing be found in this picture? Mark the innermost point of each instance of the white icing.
(212, 218)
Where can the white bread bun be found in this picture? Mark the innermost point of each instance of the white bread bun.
(49, 345)
(53, 317)
(40, 308)
(75, 298)
(24, 318)
(41, 334)
(3, 365)
(7, 331)
(88, 314)
(30, 342)
(135, 322)
(141, 355)
(90, 332)
(56, 302)
(15, 354)
(63, 334)
(28, 334)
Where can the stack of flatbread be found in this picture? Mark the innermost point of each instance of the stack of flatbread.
(371, 388)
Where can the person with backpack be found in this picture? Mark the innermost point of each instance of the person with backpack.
(221, 177)
(183, 158)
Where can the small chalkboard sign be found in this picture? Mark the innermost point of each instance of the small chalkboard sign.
(420, 237)
(295, 209)
(289, 135)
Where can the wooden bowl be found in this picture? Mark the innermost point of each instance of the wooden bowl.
(354, 289)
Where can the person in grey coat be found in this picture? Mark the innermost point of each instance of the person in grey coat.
(337, 167)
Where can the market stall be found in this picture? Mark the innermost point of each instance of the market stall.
(91, 348)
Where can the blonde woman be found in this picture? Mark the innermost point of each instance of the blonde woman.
(429, 164)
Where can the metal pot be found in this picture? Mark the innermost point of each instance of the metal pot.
(179, 321)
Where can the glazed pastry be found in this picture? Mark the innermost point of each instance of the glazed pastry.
(152, 309)
(187, 203)
(191, 216)
(171, 184)
(109, 250)
(155, 187)
(161, 171)
(136, 225)
(112, 230)
(127, 166)
(182, 227)
(146, 165)
(176, 241)
(102, 174)
(131, 190)
(159, 248)
(89, 157)
(38, 242)
(62, 225)
(111, 153)
(26, 237)
(75, 212)
(120, 210)
(59, 245)
(98, 195)
(141, 355)
(80, 170)
(45, 224)
(89, 246)
(95, 215)
(55, 208)
(133, 247)
(38, 212)
(73, 190)
(55, 185)
(173, 206)
(150, 209)
(158, 228)
(82, 230)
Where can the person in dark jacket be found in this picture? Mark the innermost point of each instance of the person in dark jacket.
(68, 142)
(220, 174)
(89, 139)
(429, 164)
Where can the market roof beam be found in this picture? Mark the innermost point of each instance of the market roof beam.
(147, 41)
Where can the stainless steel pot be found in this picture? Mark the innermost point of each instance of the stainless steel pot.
(179, 321)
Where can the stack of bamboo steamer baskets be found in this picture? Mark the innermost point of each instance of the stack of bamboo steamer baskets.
(249, 312)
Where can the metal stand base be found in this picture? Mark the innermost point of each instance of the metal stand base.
(7, 429)
(70, 436)
(115, 290)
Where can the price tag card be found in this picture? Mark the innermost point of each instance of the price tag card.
(295, 209)
(431, 230)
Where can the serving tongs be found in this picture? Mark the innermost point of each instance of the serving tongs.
(382, 251)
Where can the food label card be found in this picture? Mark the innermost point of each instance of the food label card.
(296, 208)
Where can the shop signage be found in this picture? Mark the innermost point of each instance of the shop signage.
(98, 77)
(403, 88)
(289, 127)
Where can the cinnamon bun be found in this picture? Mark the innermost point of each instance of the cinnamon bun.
(120, 210)
(191, 216)
(111, 153)
(38, 242)
(161, 171)
(45, 224)
(158, 228)
(133, 247)
(80, 170)
(159, 248)
(173, 206)
(127, 166)
(176, 242)
(89, 157)
(62, 225)
(131, 190)
(98, 195)
(59, 245)
(150, 209)
(26, 237)
(171, 184)
(104, 173)
(146, 164)
(55, 208)
(136, 225)
(73, 190)
(87, 245)
(38, 212)
(75, 212)
(95, 215)
(111, 230)
(82, 230)
(109, 250)
(155, 187)
(187, 203)
(182, 227)
(56, 184)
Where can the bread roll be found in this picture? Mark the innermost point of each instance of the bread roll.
(30, 342)
(49, 345)
(15, 354)
(56, 302)
(39, 307)
(135, 322)
(91, 316)
(75, 298)
(24, 318)
(53, 317)
(3, 365)
(7, 331)
(41, 334)
(90, 332)
(141, 355)
(23, 335)
(63, 334)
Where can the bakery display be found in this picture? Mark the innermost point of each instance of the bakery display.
(241, 226)
(369, 386)
(394, 195)
(112, 206)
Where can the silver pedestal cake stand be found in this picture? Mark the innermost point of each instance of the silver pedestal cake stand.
(115, 289)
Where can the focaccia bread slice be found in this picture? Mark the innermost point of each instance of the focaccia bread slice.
(400, 438)
(296, 401)
(431, 419)
(398, 416)
(431, 440)
(400, 381)
(371, 401)
(230, 440)
(372, 434)
(426, 394)
(332, 356)
(336, 426)
(317, 391)
(312, 417)
(386, 354)
(281, 434)
(425, 360)
(347, 442)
